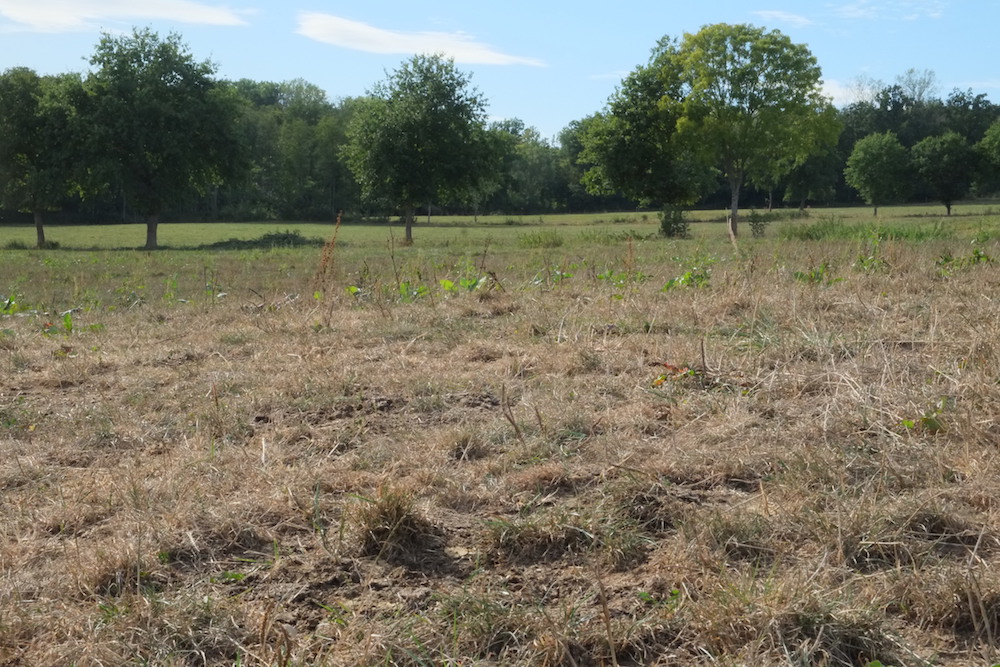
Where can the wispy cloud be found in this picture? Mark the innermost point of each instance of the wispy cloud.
(979, 85)
(775, 16)
(55, 16)
(349, 34)
(913, 10)
(863, 9)
(906, 10)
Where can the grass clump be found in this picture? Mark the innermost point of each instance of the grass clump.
(392, 528)
(547, 238)
(833, 228)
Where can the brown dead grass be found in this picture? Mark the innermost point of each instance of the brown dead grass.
(494, 477)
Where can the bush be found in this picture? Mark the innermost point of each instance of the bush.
(759, 222)
(673, 224)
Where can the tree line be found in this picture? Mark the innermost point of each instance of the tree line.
(732, 115)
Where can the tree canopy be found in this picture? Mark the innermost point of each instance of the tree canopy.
(879, 169)
(419, 137)
(634, 146)
(752, 102)
(38, 156)
(733, 97)
(162, 127)
(947, 165)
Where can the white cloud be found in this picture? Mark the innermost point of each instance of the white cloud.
(359, 36)
(841, 94)
(55, 16)
(775, 16)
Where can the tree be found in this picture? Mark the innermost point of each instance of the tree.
(634, 147)
(988, 149)
(420, 136)
(970, 115)
(919, 86)
(879, 169)
(535, 179)
(947, 165)
(752, 102)
(162, 127)
(37, 140)
(813, 180)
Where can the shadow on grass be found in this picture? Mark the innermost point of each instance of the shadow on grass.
(285, 239)
(269, 241)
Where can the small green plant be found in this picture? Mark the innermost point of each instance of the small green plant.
(948, 264)
(550, 277)
(697, 274)
(871, 260)
(409, 291)
(467, 284)
(63, 328)
(8, 305)
(621, 278)
(819, 275)
(931, 421)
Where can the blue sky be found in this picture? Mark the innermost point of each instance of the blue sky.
(547, 63)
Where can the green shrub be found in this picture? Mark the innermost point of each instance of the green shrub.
(673, 224)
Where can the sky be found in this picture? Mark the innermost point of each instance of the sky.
(545, 62)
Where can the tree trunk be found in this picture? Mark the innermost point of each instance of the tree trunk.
(409, 214)
(151, 222)
(39, 229)
(947, 206)
(734, 207)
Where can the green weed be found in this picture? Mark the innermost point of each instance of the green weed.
(818, 275)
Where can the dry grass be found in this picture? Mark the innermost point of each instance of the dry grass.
(509, 474)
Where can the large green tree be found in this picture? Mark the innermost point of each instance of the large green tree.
(38, 153)
(752, 102)
(879, 169)
(947, 165)
(161, 126)
(633, 146)
(420, 137)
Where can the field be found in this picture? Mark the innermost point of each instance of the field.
(564, 441)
